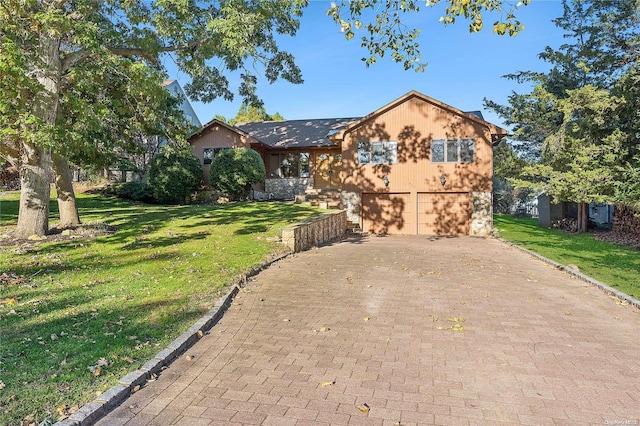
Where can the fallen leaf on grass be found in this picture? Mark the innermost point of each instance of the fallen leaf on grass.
(2, 385)
(10, 301)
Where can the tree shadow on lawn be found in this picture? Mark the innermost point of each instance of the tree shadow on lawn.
(255, 217)
(125, 335)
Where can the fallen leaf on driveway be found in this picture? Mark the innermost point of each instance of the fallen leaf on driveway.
(363, 407)
(325, 384)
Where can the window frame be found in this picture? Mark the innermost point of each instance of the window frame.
(464, 150)
(301, 167)
(377, 152)
(215, 151)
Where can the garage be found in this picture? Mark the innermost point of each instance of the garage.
(424, 213)
(390, 213)
(444, 214)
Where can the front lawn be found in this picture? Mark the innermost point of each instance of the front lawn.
(614, 265)
(77, 315)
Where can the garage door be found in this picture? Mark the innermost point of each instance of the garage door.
(388, 213)
(444, 214)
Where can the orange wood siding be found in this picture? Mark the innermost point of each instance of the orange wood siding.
(388, 213)
(414, 201)
(444, 213)
(216, 137)
(413, 124)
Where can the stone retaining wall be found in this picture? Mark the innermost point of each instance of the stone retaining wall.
(315, 231)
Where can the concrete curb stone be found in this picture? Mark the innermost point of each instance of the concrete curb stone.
(111, 398)
(605, 288)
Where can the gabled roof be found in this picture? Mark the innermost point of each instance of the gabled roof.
(497, 133)
(296, 133)
(217, 123)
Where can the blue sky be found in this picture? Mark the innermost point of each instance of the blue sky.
(462, 69)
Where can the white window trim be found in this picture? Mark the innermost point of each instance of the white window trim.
(388, 154)
(444, 143)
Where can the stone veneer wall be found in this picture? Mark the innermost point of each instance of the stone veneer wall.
(351, 202)
(286, 188)
(315, 231)
(481, 214)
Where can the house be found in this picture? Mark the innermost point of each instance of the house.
(414, 166)
(173, 87)
(135, 166)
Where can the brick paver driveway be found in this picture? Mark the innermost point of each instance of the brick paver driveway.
(448, 331)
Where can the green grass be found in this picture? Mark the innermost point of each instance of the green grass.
(118, 299)
(614, 265)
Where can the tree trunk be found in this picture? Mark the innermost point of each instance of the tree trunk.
(33, 214)
(66, 197)
(583, 216)
(35, 168)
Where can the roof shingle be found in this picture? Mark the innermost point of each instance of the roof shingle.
(296, 133)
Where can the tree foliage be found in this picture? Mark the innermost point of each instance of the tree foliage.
(70, 73)
(580, 121)
(251, 113)
(383, 24)
(174, 174)
(233, 171)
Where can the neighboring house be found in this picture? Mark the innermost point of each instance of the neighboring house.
(135, 166)
(176, 90)
(415, 166)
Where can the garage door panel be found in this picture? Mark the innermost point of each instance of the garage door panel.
(443, 214)
(388, 213)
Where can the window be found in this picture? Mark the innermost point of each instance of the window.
(452, 150)
(209, 154)
(377, 152)
(289, 165)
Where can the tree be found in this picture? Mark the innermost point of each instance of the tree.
(233, 171)
(603, 45)
(251, 113)
(580, 120)
(52, 47)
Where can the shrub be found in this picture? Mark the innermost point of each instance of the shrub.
(234, 170)
(9, 177)
(136, 191)
(174, 174)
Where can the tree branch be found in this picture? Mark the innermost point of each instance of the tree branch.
(9, 153)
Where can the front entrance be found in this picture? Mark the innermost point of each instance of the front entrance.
(328, 165)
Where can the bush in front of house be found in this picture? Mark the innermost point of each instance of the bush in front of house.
(234, 170)
(174, 174)
(136, 191)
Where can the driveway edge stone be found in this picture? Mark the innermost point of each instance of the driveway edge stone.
(116, 395)
(605, 288)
